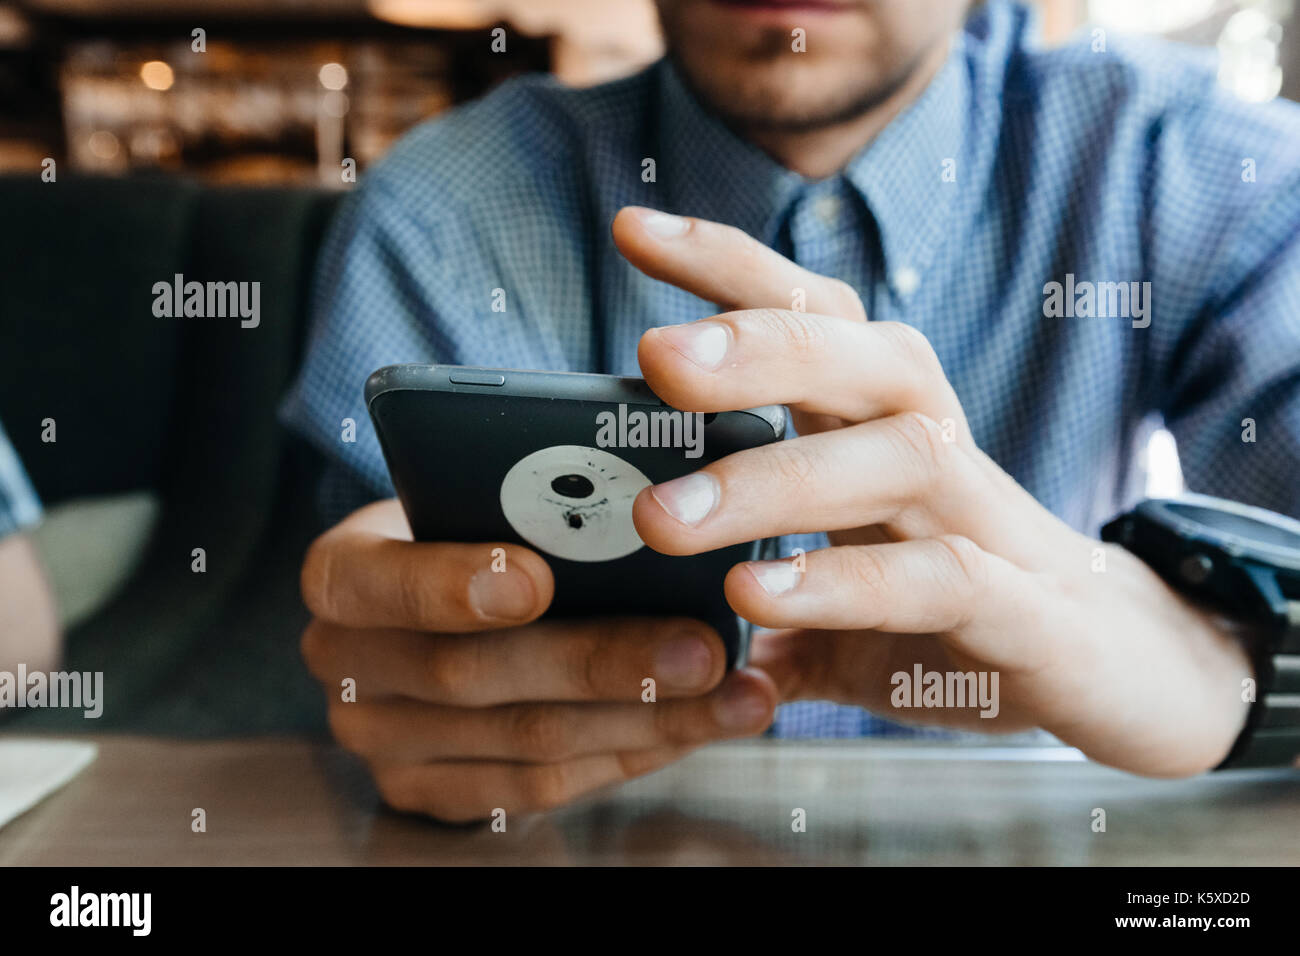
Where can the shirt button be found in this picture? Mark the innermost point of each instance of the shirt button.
(827, 209)
(907, 280)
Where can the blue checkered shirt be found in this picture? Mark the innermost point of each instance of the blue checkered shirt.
(1017, 168)
(19, 506)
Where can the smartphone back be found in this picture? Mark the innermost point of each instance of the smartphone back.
(553, 461)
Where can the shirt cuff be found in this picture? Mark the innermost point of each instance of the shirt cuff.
(20, 508)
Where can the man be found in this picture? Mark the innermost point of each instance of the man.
(726, 224)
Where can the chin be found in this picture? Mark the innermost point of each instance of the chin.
(781, 94)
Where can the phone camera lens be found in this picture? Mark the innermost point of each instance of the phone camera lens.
(573, 486)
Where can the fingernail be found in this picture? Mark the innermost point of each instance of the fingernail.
(776, 577)
(507, 595)
(688, 499)
(704, 343)
(684, 663)
(662, 225)
(740, 706)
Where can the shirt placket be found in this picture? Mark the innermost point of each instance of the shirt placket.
(829, 235)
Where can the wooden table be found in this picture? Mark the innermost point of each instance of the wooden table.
(870, 802)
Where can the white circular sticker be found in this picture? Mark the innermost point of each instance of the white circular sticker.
(574, 502)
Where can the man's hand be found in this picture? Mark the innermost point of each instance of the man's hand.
(938, 557)
(464, 704)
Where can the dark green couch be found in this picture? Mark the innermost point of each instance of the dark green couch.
(184, 408)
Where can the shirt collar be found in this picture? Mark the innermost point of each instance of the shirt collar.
(910, 174)
(714, 174)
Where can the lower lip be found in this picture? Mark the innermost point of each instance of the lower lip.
(781, 9)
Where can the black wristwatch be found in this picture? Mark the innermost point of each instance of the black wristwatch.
(1243, 562)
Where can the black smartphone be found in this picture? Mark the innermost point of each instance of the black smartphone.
(553, 461)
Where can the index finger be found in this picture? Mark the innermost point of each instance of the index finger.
(723, 264)
(360, 573)
(589, 659)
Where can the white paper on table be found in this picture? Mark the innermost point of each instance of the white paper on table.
(32, 769)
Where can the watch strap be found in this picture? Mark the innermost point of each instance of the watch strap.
(1271, 737)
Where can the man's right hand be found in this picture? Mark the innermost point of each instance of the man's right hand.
(466, 703)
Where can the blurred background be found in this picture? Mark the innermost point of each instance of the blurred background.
(280, 91)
